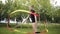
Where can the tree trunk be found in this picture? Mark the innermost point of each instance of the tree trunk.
(8, 21)
(0, 18)
(52, 19)
(16, 21)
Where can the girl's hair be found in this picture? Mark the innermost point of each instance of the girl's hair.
(32, 11)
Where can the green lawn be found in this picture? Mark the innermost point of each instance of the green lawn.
(52, 29)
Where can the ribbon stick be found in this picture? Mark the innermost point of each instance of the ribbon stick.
(23, 11)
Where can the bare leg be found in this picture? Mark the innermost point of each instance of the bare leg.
(34, 25)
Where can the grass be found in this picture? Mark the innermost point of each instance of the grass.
(53, 28)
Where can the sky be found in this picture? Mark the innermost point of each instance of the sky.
(53, 2)
(3, 1)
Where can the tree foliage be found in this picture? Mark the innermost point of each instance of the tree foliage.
(40, 6)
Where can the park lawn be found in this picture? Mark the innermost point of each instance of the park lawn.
(52, 29)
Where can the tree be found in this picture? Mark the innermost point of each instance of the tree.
(1, 9)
